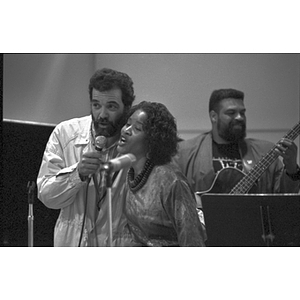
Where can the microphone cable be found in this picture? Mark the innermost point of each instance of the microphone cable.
(85, 209)
(99, 143)
(97, 204)
(85, 203)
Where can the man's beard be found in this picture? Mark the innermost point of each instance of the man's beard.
(112, 128)
(231, 134)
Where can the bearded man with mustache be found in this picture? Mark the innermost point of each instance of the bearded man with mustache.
(70, 177)
(226, 146)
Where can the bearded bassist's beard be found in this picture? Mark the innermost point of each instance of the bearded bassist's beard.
(230, 133)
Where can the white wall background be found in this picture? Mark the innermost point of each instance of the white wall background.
(184, 83)
(50, 88)
(46, 88)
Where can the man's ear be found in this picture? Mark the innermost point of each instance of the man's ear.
(213, 116)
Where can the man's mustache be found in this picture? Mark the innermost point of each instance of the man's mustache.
(113, 127)
(238, 122)
(101, 120)
(242, 123)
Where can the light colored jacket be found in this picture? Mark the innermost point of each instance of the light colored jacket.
(60, 187)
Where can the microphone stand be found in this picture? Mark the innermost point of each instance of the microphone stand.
(114, 165)
(108, 181)
(31, 188)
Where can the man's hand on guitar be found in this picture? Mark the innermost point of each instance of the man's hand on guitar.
(287, 149)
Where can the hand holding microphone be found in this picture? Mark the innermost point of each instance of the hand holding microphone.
(90, 161)
(115, 164)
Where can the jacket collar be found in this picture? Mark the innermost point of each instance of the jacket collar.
(83, 135)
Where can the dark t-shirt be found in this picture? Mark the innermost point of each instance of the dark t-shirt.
(226, 155)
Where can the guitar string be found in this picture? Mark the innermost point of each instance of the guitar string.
(245, 184)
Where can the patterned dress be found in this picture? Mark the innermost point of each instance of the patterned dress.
(163, 212)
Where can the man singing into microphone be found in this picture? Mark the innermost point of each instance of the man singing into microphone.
(70, 176)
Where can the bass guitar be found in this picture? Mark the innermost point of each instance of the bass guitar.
(233, 181)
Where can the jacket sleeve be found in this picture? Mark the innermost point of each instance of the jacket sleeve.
(57, 183)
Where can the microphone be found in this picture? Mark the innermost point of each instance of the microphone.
(100, 142)
(119, 163)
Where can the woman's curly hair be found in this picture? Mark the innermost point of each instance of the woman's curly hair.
(107, 79)
(160, 132)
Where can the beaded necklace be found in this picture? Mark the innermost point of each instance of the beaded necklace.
(137, 183)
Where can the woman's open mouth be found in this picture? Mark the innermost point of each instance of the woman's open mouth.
(122, 141)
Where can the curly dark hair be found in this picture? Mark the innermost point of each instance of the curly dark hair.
(105, 79)
(160, 130)
(218, 95)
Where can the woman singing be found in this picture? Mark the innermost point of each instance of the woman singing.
(160, 206)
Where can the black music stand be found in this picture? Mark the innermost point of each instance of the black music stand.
(252, 219)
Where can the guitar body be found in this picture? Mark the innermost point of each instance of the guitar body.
(225, 180)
